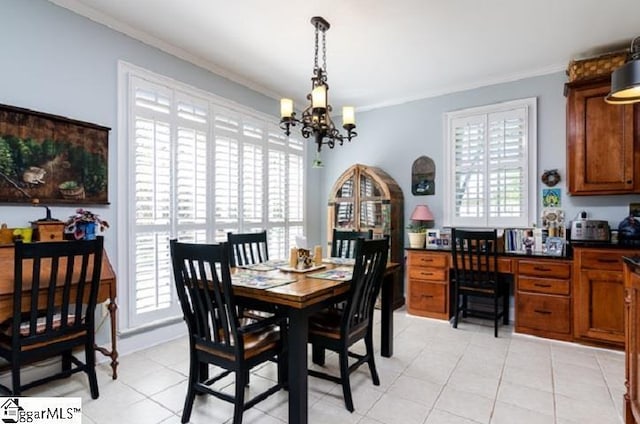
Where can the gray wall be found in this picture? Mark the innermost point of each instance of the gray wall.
(393, 137)
(58, 62)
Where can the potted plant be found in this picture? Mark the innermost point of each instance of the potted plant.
(83, 224)
(417, 235)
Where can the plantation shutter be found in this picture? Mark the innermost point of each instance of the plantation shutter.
(507, 167)
(489, 166)
(226, 178)
(197, 167)
(153, 125)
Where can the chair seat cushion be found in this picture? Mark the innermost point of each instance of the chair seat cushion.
(326, 323)
(6, 328)
(254, 343)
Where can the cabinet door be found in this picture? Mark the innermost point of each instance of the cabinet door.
(632, 349)
(598, 130)
(599, 309)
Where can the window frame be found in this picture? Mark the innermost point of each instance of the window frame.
(529, 105)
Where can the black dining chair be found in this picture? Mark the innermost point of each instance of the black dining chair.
(250, 249)
(338, 329)
(247, 248)
(54, 303)
(475, 274)
(217, 335)
(343, 242)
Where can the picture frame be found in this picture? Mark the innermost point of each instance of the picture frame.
(445, 238)
(433, 236)
(53, 159)
(554, 246)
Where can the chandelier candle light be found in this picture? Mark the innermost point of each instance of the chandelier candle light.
(316, 118)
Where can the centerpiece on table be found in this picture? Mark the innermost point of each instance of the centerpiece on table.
(84, 223)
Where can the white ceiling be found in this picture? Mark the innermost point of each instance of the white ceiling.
(379, 52)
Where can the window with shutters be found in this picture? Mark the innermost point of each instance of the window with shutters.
(195, 166)
(490, 175)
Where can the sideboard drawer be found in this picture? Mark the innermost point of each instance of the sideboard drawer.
(548, 269)
(544, 285)
(430, 297)
(430, 274)
(544, 312)
(601, 260)
(428, 259)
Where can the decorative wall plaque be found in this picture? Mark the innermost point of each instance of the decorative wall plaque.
(423, 176)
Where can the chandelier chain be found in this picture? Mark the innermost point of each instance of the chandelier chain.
(324, 51)
(315, 56)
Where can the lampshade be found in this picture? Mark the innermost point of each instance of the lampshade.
(625, 81)
(422, 213)
(625, 84)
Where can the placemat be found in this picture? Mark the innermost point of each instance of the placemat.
(337, 274)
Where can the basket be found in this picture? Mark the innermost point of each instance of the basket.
(595, 67)
(76, 193)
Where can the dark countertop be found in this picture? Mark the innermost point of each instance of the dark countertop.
(606, 245)
(502, 254)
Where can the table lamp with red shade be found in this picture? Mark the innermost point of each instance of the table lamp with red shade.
(417, 228)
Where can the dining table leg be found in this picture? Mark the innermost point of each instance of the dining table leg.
(298, 375)
(386, 311)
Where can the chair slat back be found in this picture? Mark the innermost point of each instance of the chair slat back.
(203, 283)
(343, 242)
(56, 289)
(247, 248)
(370, 263)
(475, 258)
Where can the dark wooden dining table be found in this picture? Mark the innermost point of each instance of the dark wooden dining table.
(298, 300)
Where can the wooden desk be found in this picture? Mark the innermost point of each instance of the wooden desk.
(107, 292)
(301, 299)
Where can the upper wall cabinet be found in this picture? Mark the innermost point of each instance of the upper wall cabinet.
(603, 152)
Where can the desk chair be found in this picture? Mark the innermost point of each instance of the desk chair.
(247, 248)
(217, 335)
(343, 242)
(54, 303)
(475, 274)
(338, 329)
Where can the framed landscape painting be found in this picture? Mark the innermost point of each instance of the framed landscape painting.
(51, 158)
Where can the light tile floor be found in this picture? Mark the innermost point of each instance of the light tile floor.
(437, 375)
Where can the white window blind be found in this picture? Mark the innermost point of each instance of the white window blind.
(490, 175)
(197, 167)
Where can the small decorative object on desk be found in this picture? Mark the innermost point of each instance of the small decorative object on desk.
(83, 225)
(432, 238)
(555, 246)
(304, 259)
